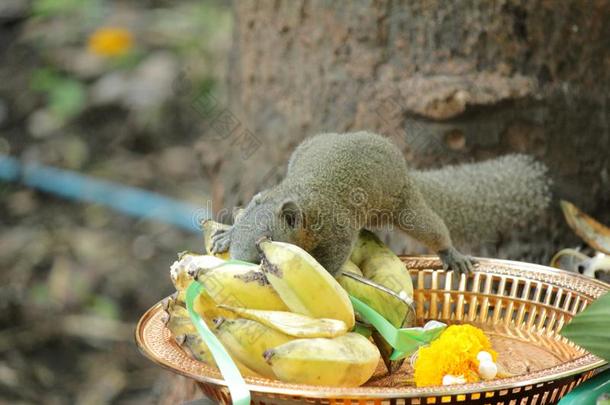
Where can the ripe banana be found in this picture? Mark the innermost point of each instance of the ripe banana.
(209, 227)
(292, 324)
(240, 284)
(195, 346)
(383, 300)
(379, 264)
(388, 287)
(247, 340)
(345, 361)
(183, 271)
(350, 267)
(177, 318)
(303, 284)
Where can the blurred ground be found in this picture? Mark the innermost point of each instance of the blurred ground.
(74, 278)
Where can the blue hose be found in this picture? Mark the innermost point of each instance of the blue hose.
(128, 200)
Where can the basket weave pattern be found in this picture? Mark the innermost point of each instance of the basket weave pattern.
(519, 301)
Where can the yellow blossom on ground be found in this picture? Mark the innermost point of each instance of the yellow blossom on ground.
(454, 352)
(110, 41)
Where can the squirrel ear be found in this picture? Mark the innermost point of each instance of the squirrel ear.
(292, 214)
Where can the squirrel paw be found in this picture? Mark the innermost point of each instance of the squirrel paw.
(454, 260)
(221, 240)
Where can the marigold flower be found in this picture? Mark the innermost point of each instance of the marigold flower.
(454, 352)
(110, 41)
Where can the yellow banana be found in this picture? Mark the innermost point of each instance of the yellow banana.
(177, 318)
(345, 361)
(247, 340)
(379, 264)
(388, 287)
(197, 349)
(303, 284)
(292, 324)
(209, 227)
(183, 271)
(186, 335)
(393, 308)
(350, 267)
(241, 284)
(195, 346)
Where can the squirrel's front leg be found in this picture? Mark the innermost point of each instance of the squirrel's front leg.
(418, 220)
(454, 260)
(221, 240)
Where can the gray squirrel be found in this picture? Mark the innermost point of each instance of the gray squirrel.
(337, 184)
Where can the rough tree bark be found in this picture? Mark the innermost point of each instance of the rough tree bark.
(448, 81)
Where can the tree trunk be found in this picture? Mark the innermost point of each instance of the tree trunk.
(447, 81)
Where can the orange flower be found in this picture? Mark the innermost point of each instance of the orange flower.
(109, 41)
(454, 352)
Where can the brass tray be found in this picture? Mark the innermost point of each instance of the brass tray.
(521, 306)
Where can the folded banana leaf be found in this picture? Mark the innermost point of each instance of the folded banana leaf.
(590, 329)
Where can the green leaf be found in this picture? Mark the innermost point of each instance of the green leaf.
(590, 329)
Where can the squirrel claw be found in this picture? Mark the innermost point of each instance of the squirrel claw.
(454, 260)
(221, 240)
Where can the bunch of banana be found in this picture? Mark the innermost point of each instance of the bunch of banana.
(386, 287)
(344, 361)
(257, 312)
(303, 284)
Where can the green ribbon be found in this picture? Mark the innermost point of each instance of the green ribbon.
(405, 341)
(237, 386)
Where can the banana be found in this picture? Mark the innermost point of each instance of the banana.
(183, 271)
(383, 300)
(388, 287)
(209, 227)
(303, 284)
(350, 267)
(292, 324)
(247, 340)
(379, 264)
(240, 284)
(345, 361)
(193, 345)
(186, 335)
(177, 319)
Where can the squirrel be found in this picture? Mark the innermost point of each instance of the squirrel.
(337, 184)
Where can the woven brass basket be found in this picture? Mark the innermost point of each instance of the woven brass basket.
(520, 306)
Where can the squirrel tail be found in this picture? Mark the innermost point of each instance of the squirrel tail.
(478, 200)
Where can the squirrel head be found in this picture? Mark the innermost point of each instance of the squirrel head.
(280, 220)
